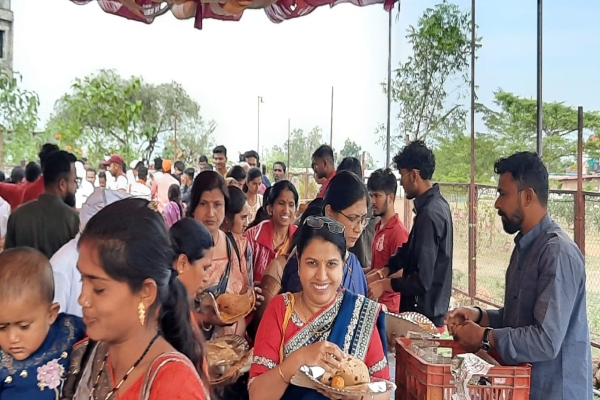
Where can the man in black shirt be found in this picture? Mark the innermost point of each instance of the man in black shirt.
(421, 270)
(187, 179)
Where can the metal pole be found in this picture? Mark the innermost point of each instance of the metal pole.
(540, 111)
(472, 186)
(175, 139)
(331, 122)
(389, 93)
(288, 149)
(579, 234)
(363, 162)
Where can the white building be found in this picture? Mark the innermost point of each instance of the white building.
(6, 35)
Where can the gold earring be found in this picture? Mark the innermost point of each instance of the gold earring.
(142, 313)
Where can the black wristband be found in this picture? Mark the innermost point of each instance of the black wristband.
(480, 315)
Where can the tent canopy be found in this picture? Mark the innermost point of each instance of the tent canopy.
(227, 10)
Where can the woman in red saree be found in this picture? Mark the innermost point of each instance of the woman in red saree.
(271, 238)
(314, 327)
(137, 313)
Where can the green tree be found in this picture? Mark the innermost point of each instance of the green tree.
(453, 158)
(99, 116)
(513, 126)
(18, 120)
(352, 149)
(429, 88)
(302, 146)
(165, 105)
(194, 139)
(270, 157)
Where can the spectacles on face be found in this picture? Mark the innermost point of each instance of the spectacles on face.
(408, 173)
(320, 222)
(362, 221)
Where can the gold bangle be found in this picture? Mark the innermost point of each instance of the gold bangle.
(281, 375)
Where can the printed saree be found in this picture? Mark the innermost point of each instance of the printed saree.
(356, 325)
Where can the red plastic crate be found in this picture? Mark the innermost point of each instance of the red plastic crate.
(419, 380)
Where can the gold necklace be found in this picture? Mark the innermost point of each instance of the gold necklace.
(318, 334)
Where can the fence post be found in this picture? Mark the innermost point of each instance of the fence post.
(408, 204)
(472, 186)
(579, 234)
(472, 240)
(306, 184)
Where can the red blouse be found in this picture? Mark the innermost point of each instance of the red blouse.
(176, 379)
(270, 334)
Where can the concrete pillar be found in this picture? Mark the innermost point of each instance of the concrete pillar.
(6, 35)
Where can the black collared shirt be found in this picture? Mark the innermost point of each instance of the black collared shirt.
(426, 284)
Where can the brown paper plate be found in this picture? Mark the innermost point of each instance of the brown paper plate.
(229, 308)
(225, 367)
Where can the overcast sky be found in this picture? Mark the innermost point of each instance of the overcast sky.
(293, 65)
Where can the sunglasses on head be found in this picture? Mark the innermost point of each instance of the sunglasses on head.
(319, 222)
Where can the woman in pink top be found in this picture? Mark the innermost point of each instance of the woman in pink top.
(174, 209)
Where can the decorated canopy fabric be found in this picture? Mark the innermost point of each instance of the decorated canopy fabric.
(227, 10)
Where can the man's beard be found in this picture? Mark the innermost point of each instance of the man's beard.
(70, 200)
(513, 224)
(382, 212)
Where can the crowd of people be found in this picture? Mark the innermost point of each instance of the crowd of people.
(104, 273)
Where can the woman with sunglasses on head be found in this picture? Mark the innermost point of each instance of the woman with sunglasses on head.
(346, 201)
(317, 325)
(271, 279)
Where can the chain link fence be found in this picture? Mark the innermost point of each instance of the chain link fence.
(494, 246)
(592, 260)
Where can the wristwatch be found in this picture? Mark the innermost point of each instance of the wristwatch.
(485, 343)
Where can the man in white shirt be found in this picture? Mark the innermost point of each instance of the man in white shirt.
(104, 172)
(158, 170)
(84, 188)
(4, 214)
(140, 187)
(67, 279)
(115, 166)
